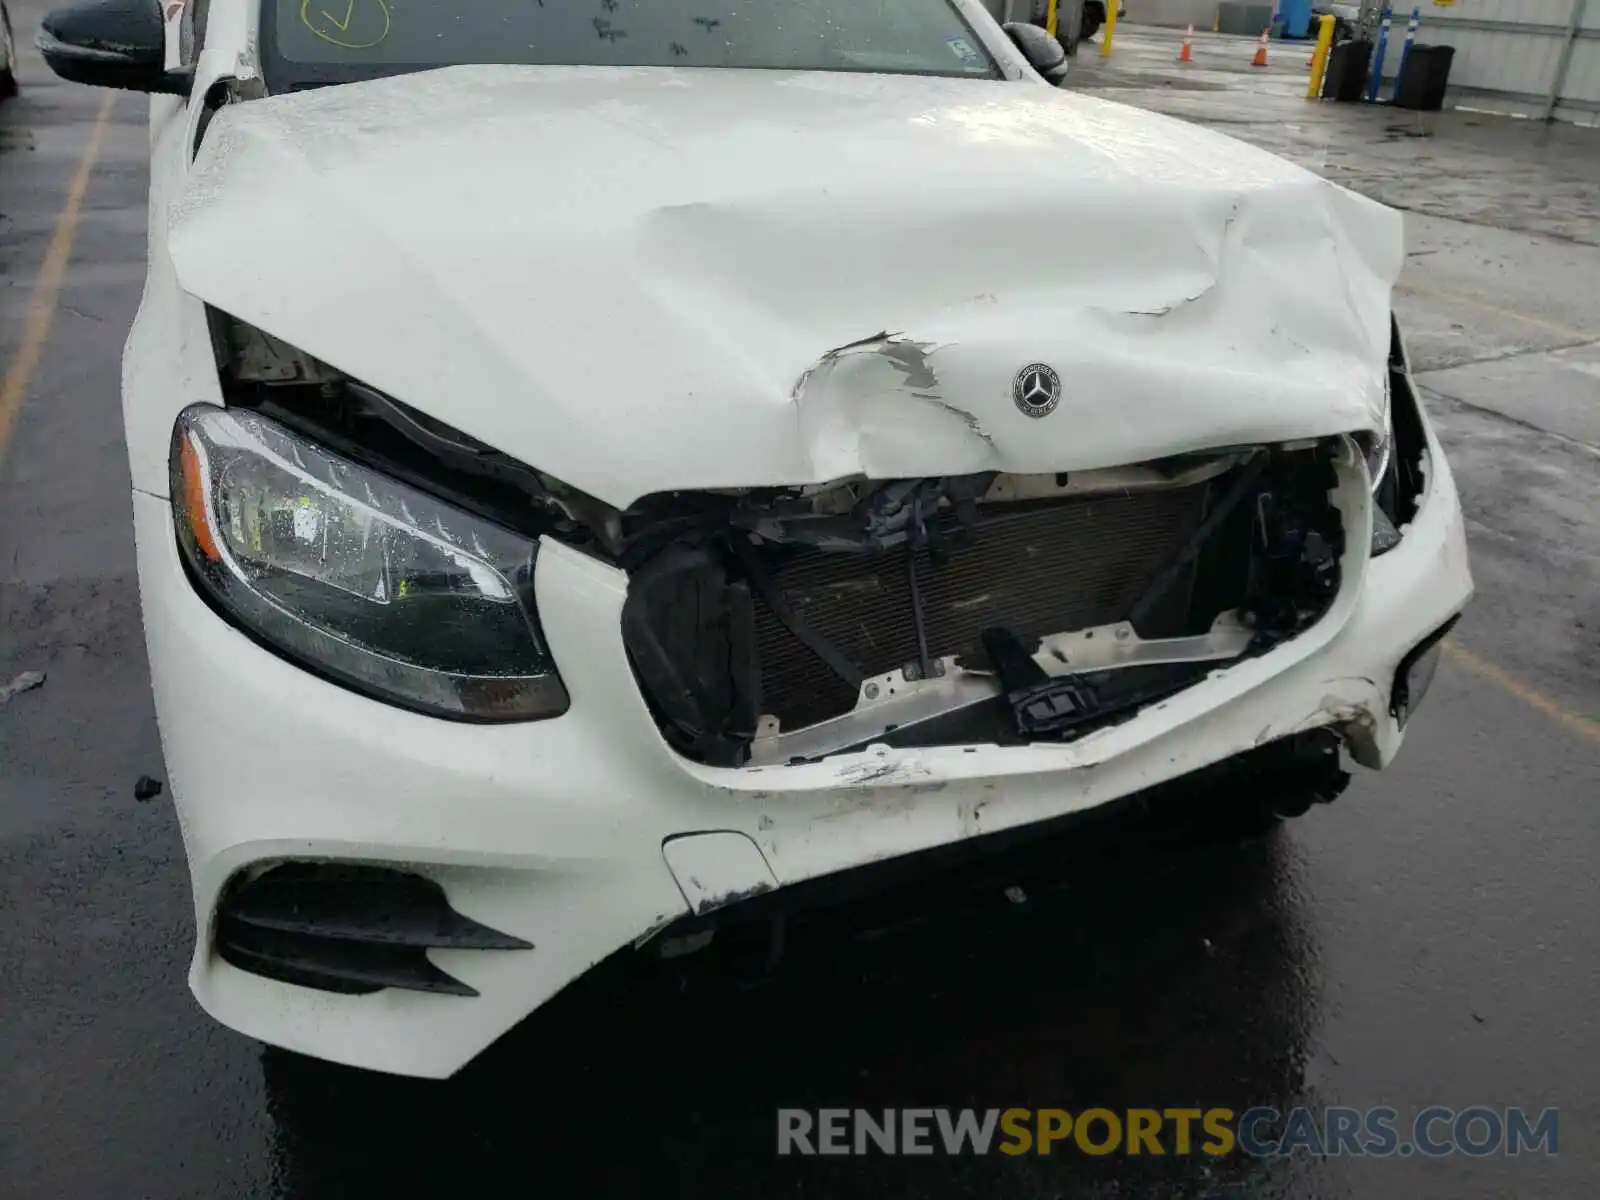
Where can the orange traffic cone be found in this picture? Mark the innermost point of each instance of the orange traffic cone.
(1187, 53)
(1260, 60)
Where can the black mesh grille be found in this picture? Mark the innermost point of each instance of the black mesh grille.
(1038, 568)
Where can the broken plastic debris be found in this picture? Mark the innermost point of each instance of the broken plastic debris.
(1040, 705)
(25, 682)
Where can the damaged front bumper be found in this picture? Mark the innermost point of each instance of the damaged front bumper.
(574, 837)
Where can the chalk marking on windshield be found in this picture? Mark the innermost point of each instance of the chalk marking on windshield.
(307, 18)
(343, 25)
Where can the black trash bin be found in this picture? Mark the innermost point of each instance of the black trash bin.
(1426, 74)
(1346, 78)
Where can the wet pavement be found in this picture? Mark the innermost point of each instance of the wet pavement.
(1432, 937)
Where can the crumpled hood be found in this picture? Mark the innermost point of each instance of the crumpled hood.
(640, 280)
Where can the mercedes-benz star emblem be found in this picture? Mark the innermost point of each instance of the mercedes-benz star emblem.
(1037, 390)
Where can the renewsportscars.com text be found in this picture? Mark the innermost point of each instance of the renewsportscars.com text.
(1261, 1132)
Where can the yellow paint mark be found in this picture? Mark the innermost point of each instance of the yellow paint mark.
(348, 12)
(1565, 331)
(1538, 701)
(310, 21)
(47, 287)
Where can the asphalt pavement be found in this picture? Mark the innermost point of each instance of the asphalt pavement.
(1433, 937)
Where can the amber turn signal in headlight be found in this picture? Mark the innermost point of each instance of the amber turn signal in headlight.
(358, 577)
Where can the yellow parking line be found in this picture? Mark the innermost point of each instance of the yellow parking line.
(1565, 331)
(1567, 719)
(47, 288)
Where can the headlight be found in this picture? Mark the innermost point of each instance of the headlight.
(1378, 447)
(1379, 452)
(358, 577)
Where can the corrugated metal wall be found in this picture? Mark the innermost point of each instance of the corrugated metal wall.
(1531, 57)
(1582, 85)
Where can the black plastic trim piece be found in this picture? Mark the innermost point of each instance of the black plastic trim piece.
(1040, 705)
(1400, 492)
(350, 928)
(1400, 695)
(361, 904)
(350, 969)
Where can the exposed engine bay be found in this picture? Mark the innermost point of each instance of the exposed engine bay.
(771, 625)
(984, 609)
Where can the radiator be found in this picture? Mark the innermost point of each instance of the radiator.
(1038, 568)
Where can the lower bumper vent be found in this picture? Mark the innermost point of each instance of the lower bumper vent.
(348, 928)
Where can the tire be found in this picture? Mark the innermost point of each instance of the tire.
(1069, 45)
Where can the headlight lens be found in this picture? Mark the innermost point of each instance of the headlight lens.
(1379, 447)
(358, 577)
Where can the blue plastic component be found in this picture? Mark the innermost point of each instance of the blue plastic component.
(1295, 17)
(1378, 54)
(1405, 50)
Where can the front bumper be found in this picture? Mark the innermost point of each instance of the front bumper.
(582, 834)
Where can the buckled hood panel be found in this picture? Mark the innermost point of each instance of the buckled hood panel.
(647, 279)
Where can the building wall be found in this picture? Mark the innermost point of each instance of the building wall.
(1175, 14)
(1511, 54)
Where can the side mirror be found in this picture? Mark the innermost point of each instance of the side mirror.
(111, 43)
(1043, 52)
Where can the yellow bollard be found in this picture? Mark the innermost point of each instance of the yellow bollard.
(1050, 19)
(1111, 27)
(1319, 57)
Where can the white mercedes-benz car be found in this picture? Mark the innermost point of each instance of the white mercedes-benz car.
(596, 463)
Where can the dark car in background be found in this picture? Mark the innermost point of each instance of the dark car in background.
(1076, 20)
(1094, 16)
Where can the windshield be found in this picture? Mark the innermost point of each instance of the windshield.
(307, 42)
